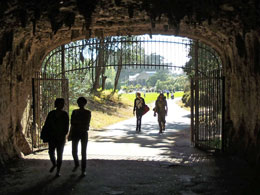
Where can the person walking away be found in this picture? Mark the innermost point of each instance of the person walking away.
(80, 120)
(138, 110)
(56, 127)
(161, 108)
(172, 95)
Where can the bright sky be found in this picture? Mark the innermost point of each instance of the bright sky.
(174, 53)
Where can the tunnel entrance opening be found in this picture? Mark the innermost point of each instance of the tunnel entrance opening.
(93, 57)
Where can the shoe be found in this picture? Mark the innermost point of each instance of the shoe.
(163, 127)
(52, 168)
(57, 174)
(75, 168)
(84, 173)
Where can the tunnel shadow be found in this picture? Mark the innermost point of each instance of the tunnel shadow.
(31, 176)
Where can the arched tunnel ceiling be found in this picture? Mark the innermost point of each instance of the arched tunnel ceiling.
(210, 21)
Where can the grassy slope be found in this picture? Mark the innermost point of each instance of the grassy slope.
(106, 110)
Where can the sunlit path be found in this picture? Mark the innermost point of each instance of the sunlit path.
(121, 141)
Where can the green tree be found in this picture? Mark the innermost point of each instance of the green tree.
(208, 60)
(138, 86)
(161, 75)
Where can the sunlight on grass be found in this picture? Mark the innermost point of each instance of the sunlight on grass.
(106, 109)
(149, 97)
(101, 120)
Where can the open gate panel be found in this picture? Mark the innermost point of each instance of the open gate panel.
(44, 92)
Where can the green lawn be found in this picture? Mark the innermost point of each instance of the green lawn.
(149, 97)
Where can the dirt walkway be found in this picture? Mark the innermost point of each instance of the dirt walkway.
(121, 161)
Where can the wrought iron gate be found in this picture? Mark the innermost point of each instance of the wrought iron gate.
(203, 66)
(44, 92)
(207, 111)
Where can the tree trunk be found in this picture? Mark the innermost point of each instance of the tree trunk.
(118, 73)
(98, 68)
(103, 82)
(103, 71)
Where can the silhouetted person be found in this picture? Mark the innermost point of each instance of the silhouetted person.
(80, 120)
(57, 125)
(161, 109)
(139, 104)
(172, 95)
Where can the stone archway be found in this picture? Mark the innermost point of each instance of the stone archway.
(32, 29)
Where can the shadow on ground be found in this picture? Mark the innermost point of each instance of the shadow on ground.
(31, 177)
(181, 169)
(174, 144)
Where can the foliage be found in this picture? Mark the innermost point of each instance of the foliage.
(186, 99)
(79, 85)
(161, 75)
(172, 83)
(208, 63)
(110, 74)
(138, 86)
(87, 53)
(208, 60)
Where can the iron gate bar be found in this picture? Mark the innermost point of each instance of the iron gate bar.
(196, 95)
(43, 102)
(205, 109)
(129, 65)
(137, 44)
(211, 120)
(224, 136)
(192, 111)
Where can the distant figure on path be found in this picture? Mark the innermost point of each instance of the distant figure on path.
(139, 104)
(55, 129)
(80, 120)
(172, 95)
(161, 108)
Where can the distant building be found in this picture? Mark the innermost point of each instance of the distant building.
(140, 78)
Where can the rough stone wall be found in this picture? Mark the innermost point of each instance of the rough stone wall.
(30, 29)
(243, 97)
(15, 88)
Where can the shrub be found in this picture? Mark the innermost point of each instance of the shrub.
(186, 99)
